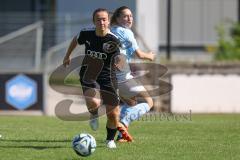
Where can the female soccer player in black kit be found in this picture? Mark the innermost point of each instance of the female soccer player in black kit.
(98, 69)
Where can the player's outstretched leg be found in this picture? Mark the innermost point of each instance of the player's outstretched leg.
(129, 114)
(132, 113)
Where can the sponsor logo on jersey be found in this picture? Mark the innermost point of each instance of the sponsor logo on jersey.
(110, 47)
(97, 55)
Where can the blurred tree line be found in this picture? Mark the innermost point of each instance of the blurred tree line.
(228, 47)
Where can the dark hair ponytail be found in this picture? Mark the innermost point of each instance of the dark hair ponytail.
(117, 14)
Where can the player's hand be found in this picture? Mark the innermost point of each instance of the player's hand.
(152, 56)
(66, 61)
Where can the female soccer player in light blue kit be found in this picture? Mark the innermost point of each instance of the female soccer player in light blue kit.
(129, 88)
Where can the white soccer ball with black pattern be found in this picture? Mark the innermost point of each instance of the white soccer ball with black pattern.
(84, 144)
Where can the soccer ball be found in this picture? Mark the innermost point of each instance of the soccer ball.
(84, 144)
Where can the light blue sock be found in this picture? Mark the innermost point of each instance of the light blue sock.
(132, 113)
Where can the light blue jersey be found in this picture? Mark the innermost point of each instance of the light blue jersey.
(127, 39)
(129, 46)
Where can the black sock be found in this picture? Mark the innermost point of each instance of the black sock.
(111, 133)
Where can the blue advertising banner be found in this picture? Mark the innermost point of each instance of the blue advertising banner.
(21, 92)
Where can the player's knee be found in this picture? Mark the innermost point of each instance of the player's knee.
(150, 102)
(93, 102)
(131, 101)
(147, 98)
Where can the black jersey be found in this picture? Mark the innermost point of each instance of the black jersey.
(98, 63)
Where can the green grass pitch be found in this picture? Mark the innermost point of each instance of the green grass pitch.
(204, 137)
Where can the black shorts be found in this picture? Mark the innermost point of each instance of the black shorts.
(107, 89)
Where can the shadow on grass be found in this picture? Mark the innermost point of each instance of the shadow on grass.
(34, 140)
(100, 144)
(33, 147)
(47, 144)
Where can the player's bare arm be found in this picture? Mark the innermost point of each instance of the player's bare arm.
(143, 55)
(72, 46)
